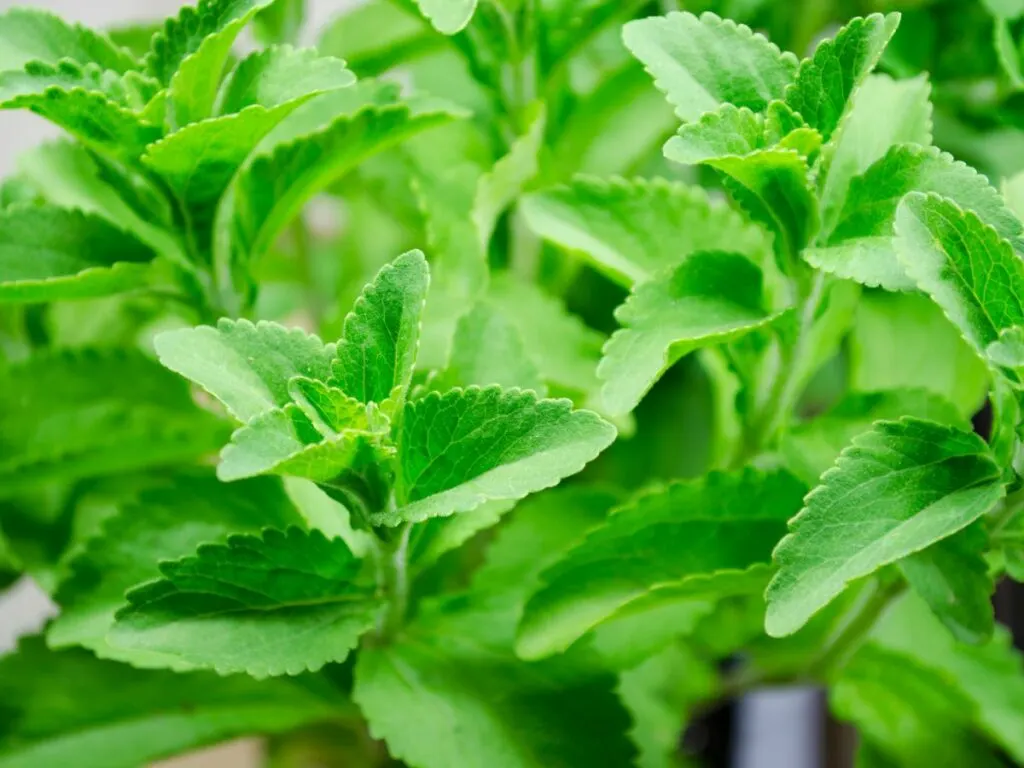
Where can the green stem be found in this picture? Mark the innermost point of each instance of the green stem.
(853, 633)
(394, 570)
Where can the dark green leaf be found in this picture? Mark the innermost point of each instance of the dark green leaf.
(898, 489)
(694, 538)
(239, 607)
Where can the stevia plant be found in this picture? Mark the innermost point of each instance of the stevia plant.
(621, 435)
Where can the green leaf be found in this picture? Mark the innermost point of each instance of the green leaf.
(199, 160)
(49, 253)
(826, 81)
(964, 265)
(32, 34)
(188, 55)
(899, 488)
(861, 245)
(903, 341)
(563, 348)
(270, 190)
(448, 16)
(377, 351)
(633, 229)
(701, 63)
(712, 297)
(773, 186)
(135, 717)
(84, 102)
(813, 446)
(67, 415)
(280, 22)
(239, 607)
(487, 349)
(899, 705)
(883, 112)
(990, 675)
(466, 447)
(953, 578)
(376, 36)
(281, 75)
(726, 131)
(694, 537)
(247, 367)
(163, 524)
(474, 704)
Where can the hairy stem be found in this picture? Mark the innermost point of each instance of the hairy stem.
(393, 569)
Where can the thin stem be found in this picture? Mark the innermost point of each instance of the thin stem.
(394, 560)
(852, 634)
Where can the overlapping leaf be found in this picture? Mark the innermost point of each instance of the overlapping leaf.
(32, 34)
(49, 253)
(465, 447)
(134, 717)
(691, 539)
(634, 229)
(239, 607)
(702, 62)
(711, 298)
(898, 489)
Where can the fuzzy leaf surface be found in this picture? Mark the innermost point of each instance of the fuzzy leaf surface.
(245, 366)
(465, 447)
(280, 604)
(703, 62)
(32, 34)
(899, 488)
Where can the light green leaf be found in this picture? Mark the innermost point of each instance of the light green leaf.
(953, 578)
(825, 82)
(73, 178)
(49, 253)
(633, 229)
(773, 186)
(240, 607)
(1008, 350)
(376, 36)
(991, 675)
(701, 63)
(70, 415)
(898, 489)
(280, 75)
(286, 442)
(564, 349)
(32, 34)
(448, 16)
(502, 184)
(280, 22)
(899, 705)
(85, 102)
(711, 298)
(434, 537)
(135, 717)
(813, 446)
(694, 537)
(163, 524)
(487, 349)
(466, 447)
(963, 264)
(377, 351)
(273, 187)
(903, 341)
(883, 112)
(861, 246)
(475, 704)
(188, 55)
(247, 367)
(726, 131)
